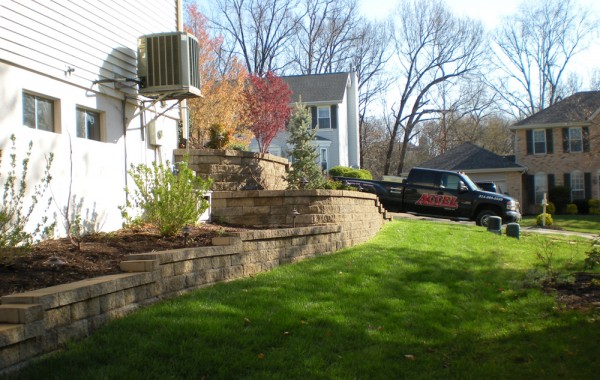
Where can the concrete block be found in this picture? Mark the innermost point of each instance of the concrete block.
(21, 313)
(85, 309)
(139, 265)
(59, 316)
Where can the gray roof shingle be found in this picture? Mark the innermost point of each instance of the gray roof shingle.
(327, 88)
(468, 156)
(577, 108)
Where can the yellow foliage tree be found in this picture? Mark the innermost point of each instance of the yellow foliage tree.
(222, 84)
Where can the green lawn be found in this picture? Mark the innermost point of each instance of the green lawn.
(577, 223)
(422, 300)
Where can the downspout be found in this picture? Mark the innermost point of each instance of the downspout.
(124, 107)
(183, 106)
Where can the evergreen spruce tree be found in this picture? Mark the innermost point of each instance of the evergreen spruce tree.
(304, 155)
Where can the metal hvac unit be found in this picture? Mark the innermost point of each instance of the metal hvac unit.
(168, 66)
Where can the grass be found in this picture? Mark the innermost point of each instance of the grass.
(422, 300)
(576, 223)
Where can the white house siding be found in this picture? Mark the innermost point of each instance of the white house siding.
(353, 122)
(39, 42)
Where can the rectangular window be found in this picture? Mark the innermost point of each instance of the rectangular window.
(575, 140)
(541, 187)
(324, 118)
(38, 112)
(324, 159)
(539, 141)
(88, 124)
(577, 186)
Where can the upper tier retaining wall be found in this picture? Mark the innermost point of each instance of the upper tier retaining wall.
(233, 170)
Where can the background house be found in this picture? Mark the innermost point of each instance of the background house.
(561, 146)
(481, 165)
(333, 100)
(51, 56)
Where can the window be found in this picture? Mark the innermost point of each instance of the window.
(575, 140)
(324, 159)
(88, 124)
(38, 112)
(577, 186)
(541, 187)
(450, 181)
(539, 141)
(324, 118)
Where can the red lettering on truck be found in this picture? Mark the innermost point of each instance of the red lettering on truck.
(434, 200)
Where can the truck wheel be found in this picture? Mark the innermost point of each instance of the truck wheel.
(483, 216)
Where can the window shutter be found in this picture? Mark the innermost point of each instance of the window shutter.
(565, 138)
(529, 138)
(313, 111)
(586, 139)
(530, 187)
(549, 141)
(587, 178)
(568, 180)
(551, 182)
(334, 116)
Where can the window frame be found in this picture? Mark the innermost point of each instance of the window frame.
(571, 141)
(323, 159)
(100, 116)
(535, 142)
(319, 118)
(577, 177)
(37, 99)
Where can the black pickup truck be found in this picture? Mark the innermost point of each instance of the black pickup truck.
(440, 193)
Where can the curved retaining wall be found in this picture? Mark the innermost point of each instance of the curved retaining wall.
(41, 321)
(233, 170)
(359, 214)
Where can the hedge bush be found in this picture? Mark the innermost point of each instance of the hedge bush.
(550, 208)
(572, 209)
(343, 171)
(548, 222)
(594, 205)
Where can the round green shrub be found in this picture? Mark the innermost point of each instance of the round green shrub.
(594, 205)
(343, 171)
(548, 222)
(550, 208)
(572, 209)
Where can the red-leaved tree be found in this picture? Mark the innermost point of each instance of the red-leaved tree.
(267, 107)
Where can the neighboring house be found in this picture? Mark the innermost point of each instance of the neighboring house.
(481, 165)
(51, 56)
(333, 101)
(561, 146)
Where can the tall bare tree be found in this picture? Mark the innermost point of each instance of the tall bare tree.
(534, 48)
(258, 30)
(370, 57)
(432, 46)
(327, 30)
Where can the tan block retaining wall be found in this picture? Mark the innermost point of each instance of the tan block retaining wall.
(234, 170)
(41, 321)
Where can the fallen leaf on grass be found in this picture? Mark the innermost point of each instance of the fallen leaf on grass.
(261, 356)
(410, 357)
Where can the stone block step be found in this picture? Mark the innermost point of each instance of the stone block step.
(139, 265)
(21, 313)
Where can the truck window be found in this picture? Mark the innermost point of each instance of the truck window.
(450, 181)
(422, 178)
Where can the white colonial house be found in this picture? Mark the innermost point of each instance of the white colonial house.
(69, 84)
(333, 100)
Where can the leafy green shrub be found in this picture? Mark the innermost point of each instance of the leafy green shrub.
(582, 206)
(550, 208)
(218, 137)
(594, 205)
(343, 171)
(572, 209)
(593, 256)
(560, 196)
(337, 185)
(548, 220)
(167, 199)
(14, 214)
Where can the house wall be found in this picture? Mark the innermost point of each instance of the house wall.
(56, 50)
(559, 162)
(353, 123)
